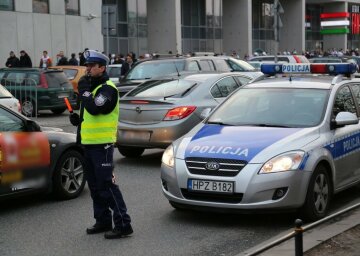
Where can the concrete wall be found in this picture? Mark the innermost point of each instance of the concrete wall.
(35, 32)
(164, 26)
(335, 41)
(237, 26)
(292, 34)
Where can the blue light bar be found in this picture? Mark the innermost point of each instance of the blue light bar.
(306, 68)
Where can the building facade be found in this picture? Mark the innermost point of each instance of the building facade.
(177, 26)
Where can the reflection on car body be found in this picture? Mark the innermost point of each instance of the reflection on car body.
(286, 143)
(34, 159)
(158, 112)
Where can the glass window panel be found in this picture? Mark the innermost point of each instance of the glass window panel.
(41, 6)
(203, 33)
(186, 32)
(186, 45)
(132, 10)
(72, 7)
(123, 46)
(185, 12)
(133, 45)
(195, 32)
(202, 13)
(195, 45)
(218, 33)
(142, 31)
(122, 10)
(142, 12)
(202, 45)
(123, 30)
(195, 13)
(210, 33)
(210, 45)
(113, 45)
(7, 5)
(143, 45)
(132, 30)
(109, 1)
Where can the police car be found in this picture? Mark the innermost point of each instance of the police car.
(285, 143)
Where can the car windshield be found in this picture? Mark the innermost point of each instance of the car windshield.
(4, 93)
(150, 69)
(273, 107)
(167, 88)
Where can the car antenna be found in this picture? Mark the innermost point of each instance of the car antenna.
(177, 69)
(290, 80)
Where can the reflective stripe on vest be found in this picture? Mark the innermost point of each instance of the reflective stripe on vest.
(100, 129)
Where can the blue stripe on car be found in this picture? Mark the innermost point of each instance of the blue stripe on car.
(234, 142)
(344, 145)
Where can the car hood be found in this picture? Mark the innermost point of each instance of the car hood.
(51, 129)
(247, 143)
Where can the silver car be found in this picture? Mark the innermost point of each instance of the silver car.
(283, 143)
(160, 111)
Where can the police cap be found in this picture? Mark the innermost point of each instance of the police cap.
(92, 56)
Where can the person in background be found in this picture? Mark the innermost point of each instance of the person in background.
(12, 61)
(45, 60)
(73, 61)
(97, 127)
(82, 58)
(127, 65)
(25, 60)
(62, 60)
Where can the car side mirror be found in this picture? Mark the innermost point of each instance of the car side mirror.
(345, 118)
(32, 126)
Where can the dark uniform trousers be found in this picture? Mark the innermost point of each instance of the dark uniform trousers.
(105, 194)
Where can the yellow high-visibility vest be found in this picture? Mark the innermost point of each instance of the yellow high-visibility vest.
(100, 129)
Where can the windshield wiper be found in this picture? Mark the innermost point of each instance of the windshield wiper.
(188, 89)
(165, 97)
(220, 123)
(269, 125)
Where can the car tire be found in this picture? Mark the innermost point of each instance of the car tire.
(131, 152)
(68, 178)
(58, 111)
(28, 107)
(319, 194)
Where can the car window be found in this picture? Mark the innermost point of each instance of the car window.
(225, 86)
(243, 80)
(114, 71)
(222, 65)
(70, 73)
(344, 101)
(15, 77)
(207, 65)
(239, 65)
(9, 122)
(356, 90)
(33, 78)
(57, 79)
(162, 88)
(193, 66)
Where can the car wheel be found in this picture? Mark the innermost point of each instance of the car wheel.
(131, 152)
(58, 111)
(68, 179)
(318, 195)
(28, 107)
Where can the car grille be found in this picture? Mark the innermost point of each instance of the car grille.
(212, 197)
(228, 167)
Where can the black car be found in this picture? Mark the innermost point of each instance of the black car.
(38, 159)
(38, 89)
(151, 68)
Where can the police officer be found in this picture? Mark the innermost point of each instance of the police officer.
(97, 126)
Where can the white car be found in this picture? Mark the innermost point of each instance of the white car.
(114, 72)
(283, 143)
(8, 100)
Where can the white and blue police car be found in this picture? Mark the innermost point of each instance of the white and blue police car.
(285, 143)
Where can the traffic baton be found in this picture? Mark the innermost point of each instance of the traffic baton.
(68, 105)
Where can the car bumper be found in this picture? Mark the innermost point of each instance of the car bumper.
(158, 135)
(251, 190)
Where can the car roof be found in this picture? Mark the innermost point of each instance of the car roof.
(201, 77)
(114, 65)
(303, 81)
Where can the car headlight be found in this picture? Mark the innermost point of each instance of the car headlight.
(285, 162)
(168, 156)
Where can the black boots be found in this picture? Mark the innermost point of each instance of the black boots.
(118, 233)
(98, 228)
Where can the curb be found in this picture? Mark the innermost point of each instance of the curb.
(311, 238)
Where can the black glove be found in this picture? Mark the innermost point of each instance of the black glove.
(74, 119)
(84, 84)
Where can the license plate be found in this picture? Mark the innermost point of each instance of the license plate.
(135, 135)
(211, 186)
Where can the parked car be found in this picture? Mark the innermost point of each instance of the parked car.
(283, 143)
(8, 100)
(38, 159)
(158, 112)
(114, 72)
(281, 58)
(38, 89)
(152, 68)
(326, 60)
(73, 73)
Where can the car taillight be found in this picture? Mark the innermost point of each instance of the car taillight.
(179, 113)
(43, 82)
